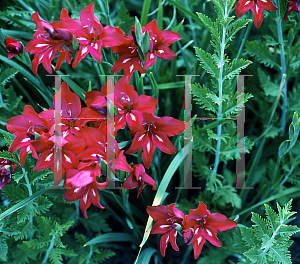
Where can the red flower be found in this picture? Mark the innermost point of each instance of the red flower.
(88, 193)
(130, 105)
(166, 218)
(6, 168)
(293, 5)
(97, 147)
(201, 225)
(129, 58)
(92, 36)
(257, 7)
(152, 132)
(27, 128)
(159, 42)
(137, 178)
(48, 41)
(14, 47)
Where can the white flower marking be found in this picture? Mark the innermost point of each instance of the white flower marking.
(41, 45)
(208, 232)
(124, 61)
(49, 157)
(159, 138)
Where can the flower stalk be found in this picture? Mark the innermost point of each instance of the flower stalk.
(283, 68)
(220, 81)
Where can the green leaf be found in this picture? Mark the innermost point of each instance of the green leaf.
(234, 27)
(235, 68)
(280, 255)
(256, 255)
(145, 12)
(182, 9)
(200, 95)
(111, 237)
(211, 26)
(226, 195)
(262, 53)
(8, 74)
(3, 248)
(175, 29)
(270, 88)
(162, 189)
(261, 225)
(21, 204)
(294, 130)
(146, 255)
(249, 237)
(124, 20)
(207, 62)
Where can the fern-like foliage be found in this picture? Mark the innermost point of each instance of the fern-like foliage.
(219, 99)
(268, 239)
(262, 53)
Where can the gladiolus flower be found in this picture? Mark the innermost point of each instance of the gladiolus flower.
(293, 5)
(137, 178)
(257, 7)
(166, 218)
(14, 47)
(6, 168)
(152, 132)
(201, 225)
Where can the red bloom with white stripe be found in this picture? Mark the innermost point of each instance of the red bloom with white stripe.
(138, 178)
(201, 225)
(48, 41)
(167, 219)
(86, 187)
(92, 36)
(257, 7)
(130, 105)
(159, 42)
(152, 132)
(28, 128)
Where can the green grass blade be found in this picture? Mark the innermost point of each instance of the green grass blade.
(145, 12)
(111, 237)
(74, 87)
(162, 189)
(39, 86)
(21, 204)
(273, 197)
(146, 256)
(185, 11)
(170, 85)
(160, 16)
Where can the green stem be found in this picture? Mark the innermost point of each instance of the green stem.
(250, 178)
(249, 26)
(49, 248)
(219, 129)
(283, 67)
(30, 193)
(90, 255)
(154, 88)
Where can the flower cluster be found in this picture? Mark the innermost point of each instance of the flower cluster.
(79, 150)
(6, 168)
(73, 141)
(60, 37)
(196, 227)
